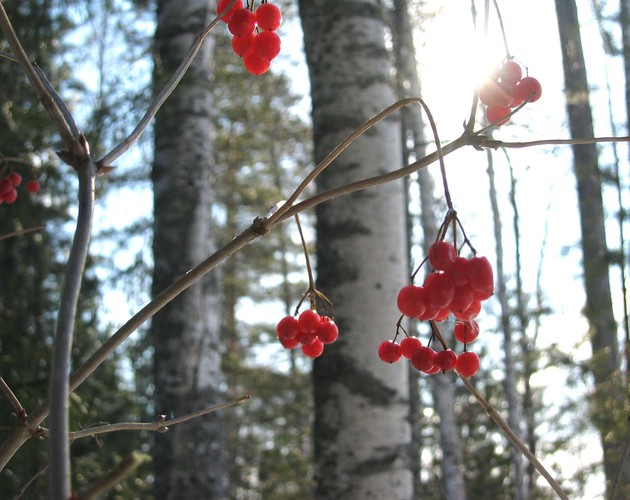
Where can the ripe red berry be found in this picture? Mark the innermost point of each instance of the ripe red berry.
(457, 271)
(411, 301)
(5, 186)
(409, 345)
(313, 350)
(498, 115)
(289, 343)
(463, 298)
(306, 338)
(446, 359)
(423, 359)
(442, 255)
(255, 64)
(466, 332)
(309, 321)
(287, 328)
(480, 275)
(440, 290)
(222, 6)
(15, 178)
(10, 197)
(32, 186)
(495, 93)
(389, 351)
(467, 364)
(266, 44)
(527, 89)
(268, 17)
(327, 331)
(241, 45)
(510, 72)
(242, 22)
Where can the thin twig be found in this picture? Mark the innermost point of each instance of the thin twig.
(157, 426)
(105, 483)
(15, 402)
(23, 489)
(49, 98)
(168, 89)
(514, 439)
(22, 232)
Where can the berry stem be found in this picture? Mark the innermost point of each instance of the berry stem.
(437, 334)
(500, 18)
(309, 269)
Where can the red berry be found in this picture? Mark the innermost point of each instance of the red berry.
(446, 359)
(442, 255)
(309, 321)
(510, 72)
(440, 290)
(429, 313)
(5, 186)
(327, 331)
(10, 197)
(32, 186)
(480, 276)
(464, 296)
(287, 328)
(457, 271)
(433, 370)
(313, 350)
(255, 64)
(497, 115)
(267, 44)
(527, 89)
(442, 314)
(268, 17)
(466, 332)
(222, 6)
(242, 22)
(467, 364)
(470, 313)
(241, 45)
(495, 93)
(289, 343)
(423, 359)
(411, 301)
(389, 351)
(15, 178)
(409, 345)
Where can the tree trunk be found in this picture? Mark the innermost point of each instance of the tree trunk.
(362, 432)
(190, 459)
(609, 390)
(519, 485)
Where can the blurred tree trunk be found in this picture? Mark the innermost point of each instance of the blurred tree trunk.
(362, 432)
(610, 394)
(190, 459)
(443, 388)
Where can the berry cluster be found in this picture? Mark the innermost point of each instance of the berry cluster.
(456, 286)
(9, 184)
(310, 330)
(506, 90)
(254, 32)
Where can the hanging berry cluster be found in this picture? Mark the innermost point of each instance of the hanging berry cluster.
(506, 90)
(254, 32)
(456, 286)
(9, 184)
(310, 330)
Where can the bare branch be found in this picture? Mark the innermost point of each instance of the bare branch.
(55, 107)
(21, 233)
(124, 468)
(15, 402)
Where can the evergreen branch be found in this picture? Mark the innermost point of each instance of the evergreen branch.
(54, 105)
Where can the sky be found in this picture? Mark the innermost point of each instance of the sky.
(453, 59)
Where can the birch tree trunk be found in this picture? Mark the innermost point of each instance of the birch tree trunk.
(190, 459)
(362, 433)
(609, 390)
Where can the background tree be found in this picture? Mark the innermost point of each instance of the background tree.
(190, 460)
(361, 427)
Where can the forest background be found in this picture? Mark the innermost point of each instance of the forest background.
(100, 56)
